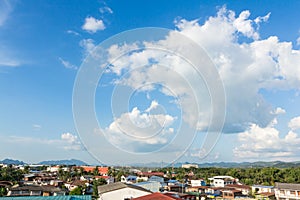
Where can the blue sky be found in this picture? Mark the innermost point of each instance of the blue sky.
(254, 46)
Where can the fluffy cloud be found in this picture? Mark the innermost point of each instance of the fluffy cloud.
(137, 129)
(72, 142)
(88, 45)
(93, 25)
(245, 68)
(267, 143)
(294, 124)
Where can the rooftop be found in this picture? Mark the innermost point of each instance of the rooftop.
(117, 186)
(289, 186)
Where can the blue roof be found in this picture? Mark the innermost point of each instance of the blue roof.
(173, 181)
(263, 186)
(70, 197)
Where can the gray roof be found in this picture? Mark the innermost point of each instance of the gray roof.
(289, 186)
(47, 188)
(117, 186)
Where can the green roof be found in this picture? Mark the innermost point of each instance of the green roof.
(70, 197)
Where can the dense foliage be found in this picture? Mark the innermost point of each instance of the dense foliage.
(248, 176)
(10, 174)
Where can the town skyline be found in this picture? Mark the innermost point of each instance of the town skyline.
(248, 110)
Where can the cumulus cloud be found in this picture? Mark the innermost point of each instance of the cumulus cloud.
(294, 124)
(136, 129)
(267, 143)
(93, 25)
(245, 68)
(279, 111)
(72, 142)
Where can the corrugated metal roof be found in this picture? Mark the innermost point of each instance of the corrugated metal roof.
(288, 186)
(70, 197)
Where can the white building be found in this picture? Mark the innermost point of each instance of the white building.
(195, 183)
(286, 191)
(121, 191)
(222, 181)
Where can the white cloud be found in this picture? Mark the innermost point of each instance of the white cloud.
(153, 105)
(245, 68)
(72, 142)
(93, 25)
(73, 32)
(279, 111)
(106, 9)
(244, 25)
(294, 124)
(67, 64)
(36, 127)
(137, 129)
(8, 58)
(88, 45)
(6, 8)
(267, 143)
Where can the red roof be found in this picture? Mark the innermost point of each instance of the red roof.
(156, 196)
(101, 170)
(151, 173)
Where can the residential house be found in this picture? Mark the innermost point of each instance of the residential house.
(196, 189)
(199, 182)
(35, 190)
(121, 191)
(222, 181)
(153, 186)
(287, 191)
(265, 196)
(109, 179)
(149, 174)
(257, 189)
(245, 189)
(156, 178)
(231, 193)
(129, 179)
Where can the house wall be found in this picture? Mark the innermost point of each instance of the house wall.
(287, 194)
(122, 194)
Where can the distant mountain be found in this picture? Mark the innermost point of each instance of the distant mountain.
(63, 162)
(12, 162)
(277, 164)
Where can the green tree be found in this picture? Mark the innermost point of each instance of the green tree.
(77, 191)
(97, 183)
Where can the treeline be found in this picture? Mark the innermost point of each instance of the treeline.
(248, 176)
